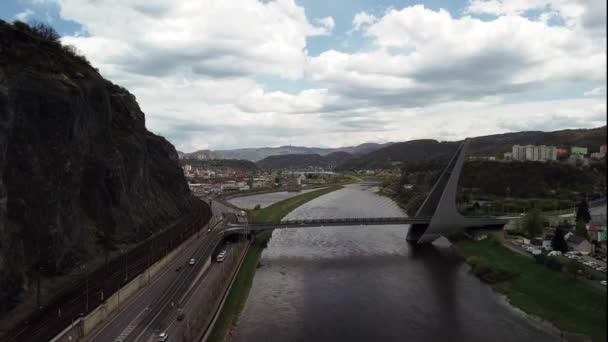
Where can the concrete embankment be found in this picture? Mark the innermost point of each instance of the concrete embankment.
(83, 326)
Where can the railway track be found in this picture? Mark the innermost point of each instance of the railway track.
(92, 288)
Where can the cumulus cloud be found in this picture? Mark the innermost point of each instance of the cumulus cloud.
(597, 91)
(213, 38)
(361, 19)
(423, 56)
(193, 66)
(582, 14)
(24, 15)
(328, 23)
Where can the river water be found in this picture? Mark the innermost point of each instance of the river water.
(366, 283)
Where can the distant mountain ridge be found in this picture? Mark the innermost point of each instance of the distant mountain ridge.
(257, 154)
(428, 149)
(304, 161)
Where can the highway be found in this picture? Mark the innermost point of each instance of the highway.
(154, 308)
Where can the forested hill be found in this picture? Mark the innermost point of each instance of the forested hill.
(499, 143)
(398, 154)
(404, 152)
(304, 161)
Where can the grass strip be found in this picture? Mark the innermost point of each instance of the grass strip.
(242, 284)
(555, 296)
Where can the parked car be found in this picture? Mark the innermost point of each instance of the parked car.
(192, 261)
(180, 315)
(536, 251)
(554, 253)
(603, 282)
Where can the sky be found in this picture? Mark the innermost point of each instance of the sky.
(222, 74)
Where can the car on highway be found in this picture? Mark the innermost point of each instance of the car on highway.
(221, 256)
(181, 315)
(162, 337)
(192, 262)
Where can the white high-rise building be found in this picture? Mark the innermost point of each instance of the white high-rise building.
(518, 152)
(534, 153)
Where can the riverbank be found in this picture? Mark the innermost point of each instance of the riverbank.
(266, 191)
(240, 289)
(554, 296)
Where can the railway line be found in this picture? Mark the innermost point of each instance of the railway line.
(92, 288)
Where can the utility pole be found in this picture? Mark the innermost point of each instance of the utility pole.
(38, 299)
(86, 277)
(126, 264)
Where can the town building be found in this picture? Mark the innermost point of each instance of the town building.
(598, 233)
(534, 152)
(599, 155)
(581, 151)
(579, 244)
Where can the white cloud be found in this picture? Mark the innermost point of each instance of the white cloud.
(424, 56)
(597, 91)
(193, 67)
(215, 38)
(362, 19)
(24, 15)
(328, 23)
(580, 14)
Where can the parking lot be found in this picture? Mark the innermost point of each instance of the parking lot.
(591, 264)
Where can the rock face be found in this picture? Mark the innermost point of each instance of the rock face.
(78, 169)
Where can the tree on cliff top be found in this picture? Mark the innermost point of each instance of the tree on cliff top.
(559, 243)
(581, 229)
(533, 223)
(582, 212)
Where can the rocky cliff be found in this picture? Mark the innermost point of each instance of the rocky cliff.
(79, 172)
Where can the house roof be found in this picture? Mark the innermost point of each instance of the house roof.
(594, 227)
(575, 239)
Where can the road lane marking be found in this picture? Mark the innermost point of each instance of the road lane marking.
(123, 335)
(187, 251)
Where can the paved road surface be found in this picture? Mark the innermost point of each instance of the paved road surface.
(154, 308)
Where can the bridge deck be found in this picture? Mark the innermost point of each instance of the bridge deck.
(348, 222)
(338, 222)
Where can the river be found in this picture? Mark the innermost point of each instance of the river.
(366, 283)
